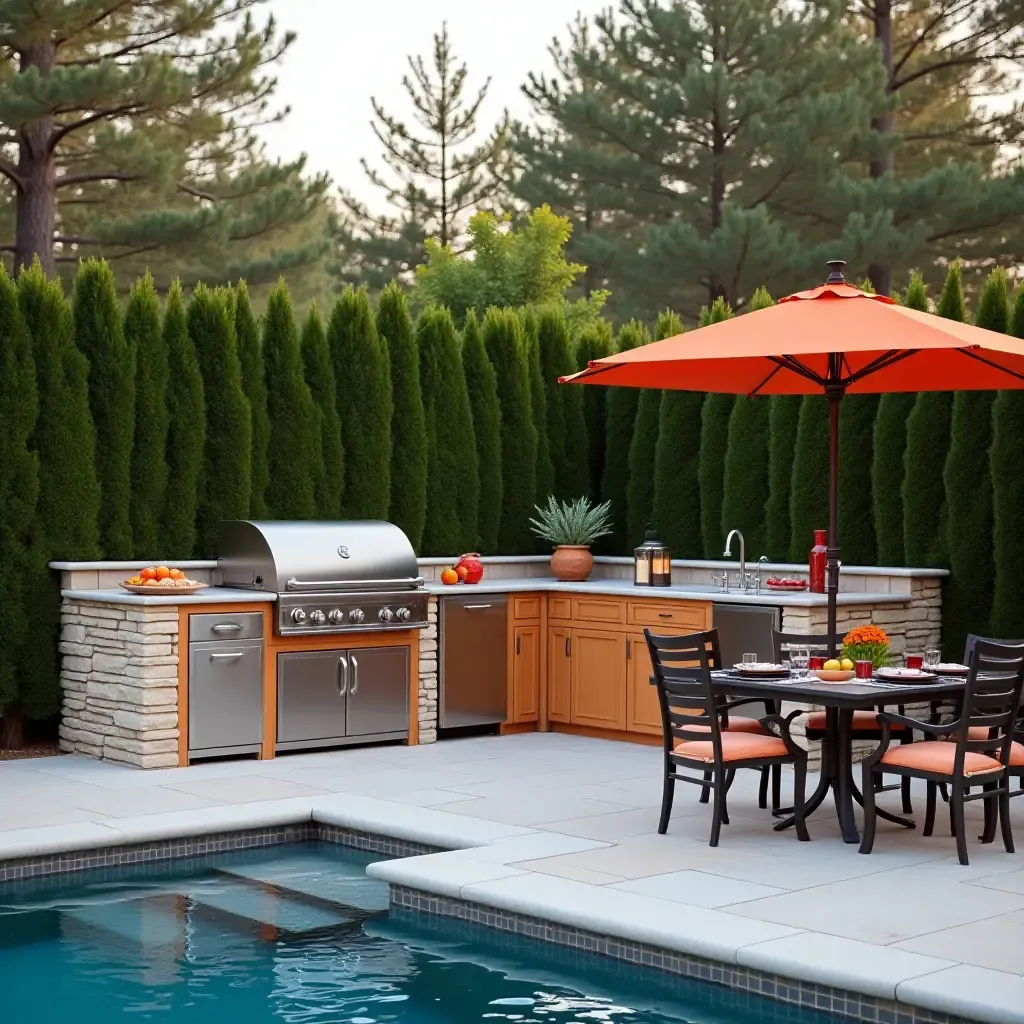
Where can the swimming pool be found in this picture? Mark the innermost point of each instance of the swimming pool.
(299, 934)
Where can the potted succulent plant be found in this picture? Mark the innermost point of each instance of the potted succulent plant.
(572, 526)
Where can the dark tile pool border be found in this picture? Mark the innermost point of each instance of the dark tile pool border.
(790, 992)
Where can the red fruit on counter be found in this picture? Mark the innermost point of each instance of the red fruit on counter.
(462, 572)
(474, 567)
(449, 577)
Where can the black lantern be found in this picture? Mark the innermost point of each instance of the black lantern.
(652, 564)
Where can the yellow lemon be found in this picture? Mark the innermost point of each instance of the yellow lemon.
(847, 665)
(832, 665)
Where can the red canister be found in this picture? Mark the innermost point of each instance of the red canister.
(816, 563)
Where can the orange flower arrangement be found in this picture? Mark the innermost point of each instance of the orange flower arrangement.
(867, 643)
(866, 635)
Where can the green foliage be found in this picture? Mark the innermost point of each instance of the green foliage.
(186, 431)
(928, 441)
(545, 472)
(99, 336)
(676, 477)
(143, 334)
(968, 598)
(506, 349)
(319, 373)
(596, 342)
(575, 523)
(224, 481)
(1008, 500)
(857, 415)
(408, 500)
(294, 456)
(808, 491)
(19, 484)
(482, 386)
(620, 424)
(255, 387)
(363, 376)
(453, 488)
(783, 418)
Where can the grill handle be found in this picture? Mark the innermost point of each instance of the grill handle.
(406, 584)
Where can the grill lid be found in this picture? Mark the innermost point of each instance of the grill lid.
(299, 557)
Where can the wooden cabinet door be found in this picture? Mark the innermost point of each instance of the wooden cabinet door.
(526, 675)
(643, 713)
(598, 679)
(559, 674)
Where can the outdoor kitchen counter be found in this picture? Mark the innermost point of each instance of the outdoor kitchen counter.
(212, 595)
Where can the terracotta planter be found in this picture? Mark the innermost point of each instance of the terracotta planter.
(571, 563)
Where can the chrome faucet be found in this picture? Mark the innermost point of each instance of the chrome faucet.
(743, 557)
(763, 560)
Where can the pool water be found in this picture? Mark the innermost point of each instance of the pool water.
(299, 934)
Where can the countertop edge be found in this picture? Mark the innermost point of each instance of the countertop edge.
(213, 595)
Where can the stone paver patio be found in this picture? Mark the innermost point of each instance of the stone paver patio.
(565, 828)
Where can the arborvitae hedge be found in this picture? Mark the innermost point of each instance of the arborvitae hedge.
(1008, 500)
(676, 487)
(226, 473)
(808, 492)
(186, 431)
(506, 349)
(620, 422)
(596, 342)
(19, 490)
(783, 418)
(856, 507)
(453, 490)
(293, 455)
(363, 377)
(99, 336)
(967, 601)
(254, 385)
(545, 478)
(143, 332)
(408, 500)
(714, 437)
(319, 373)
(928, 438)
(482, 385)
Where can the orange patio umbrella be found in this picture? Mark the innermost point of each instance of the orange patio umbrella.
(832, 340)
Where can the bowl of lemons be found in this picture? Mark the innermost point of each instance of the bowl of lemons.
(836, 670)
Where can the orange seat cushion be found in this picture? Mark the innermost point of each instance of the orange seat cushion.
(751, 725)
(937, 756)
(736, 746)
(861, 720)
(1017, 755)
(974, 732)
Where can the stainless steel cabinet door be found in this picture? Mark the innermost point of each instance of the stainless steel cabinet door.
(311, 688)
(378, 692)
(225, 695)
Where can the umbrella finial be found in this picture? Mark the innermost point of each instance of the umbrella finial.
(835, 272)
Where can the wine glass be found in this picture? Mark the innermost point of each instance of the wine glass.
(798, 658)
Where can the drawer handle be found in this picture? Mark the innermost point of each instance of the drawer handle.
(226, 657)
(664, 615)
(355, 675)
(475, 607)
(225, 627)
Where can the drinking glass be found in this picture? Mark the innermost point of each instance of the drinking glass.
(749, 659)
(932, 658)
(798, 657)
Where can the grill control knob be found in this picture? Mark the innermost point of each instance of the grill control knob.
(336, 616)
(298, 616)
(356, 615)
(403, 614)
(386, 615)
(317, 618)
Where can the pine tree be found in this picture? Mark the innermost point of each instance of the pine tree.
(143, 334)
(596, 342)
(857, 415)
(294, 456)
(890, 446)
(453, 491)
(482, 385)
(254, 385)
(928, 438)
(506, 349)
(99, 336)
(567, 429)
(364, 404)
(1008, 500)
(19, 491)
(714, 438)
(783, 420)
(746, 465)
(545, 472)
(225, 478)
(319, 372)
(408, 502)
(808, 492)
(968, 597)
(620, 423)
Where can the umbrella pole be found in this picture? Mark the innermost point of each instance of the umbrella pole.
(835, 396)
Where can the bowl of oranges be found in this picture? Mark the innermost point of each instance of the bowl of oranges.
(159, 580)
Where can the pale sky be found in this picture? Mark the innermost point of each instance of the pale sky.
(350, 50)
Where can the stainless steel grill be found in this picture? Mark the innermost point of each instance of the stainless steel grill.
(329, 577)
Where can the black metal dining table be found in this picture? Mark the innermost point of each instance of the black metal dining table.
(839, 700)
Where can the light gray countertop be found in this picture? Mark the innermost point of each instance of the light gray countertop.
(212, 595)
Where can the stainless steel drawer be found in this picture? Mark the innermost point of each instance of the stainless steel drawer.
(225, 697)
(225, 626)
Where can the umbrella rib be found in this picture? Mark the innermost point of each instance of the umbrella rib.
(885, 360)
(794, 364)
(992, 363)
(765, 381)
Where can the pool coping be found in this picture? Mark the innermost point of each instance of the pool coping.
(436, 873)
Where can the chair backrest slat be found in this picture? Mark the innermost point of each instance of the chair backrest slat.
(992, 698)
(814, 642)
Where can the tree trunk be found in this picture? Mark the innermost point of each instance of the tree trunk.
(12, 728)
(881, 274)
(37, 170)
(715, 287)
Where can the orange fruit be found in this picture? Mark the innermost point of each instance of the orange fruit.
(449, 576)
(152, 582)
(462, 572)
(162, 572)
(177, 574)
(148, 574)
